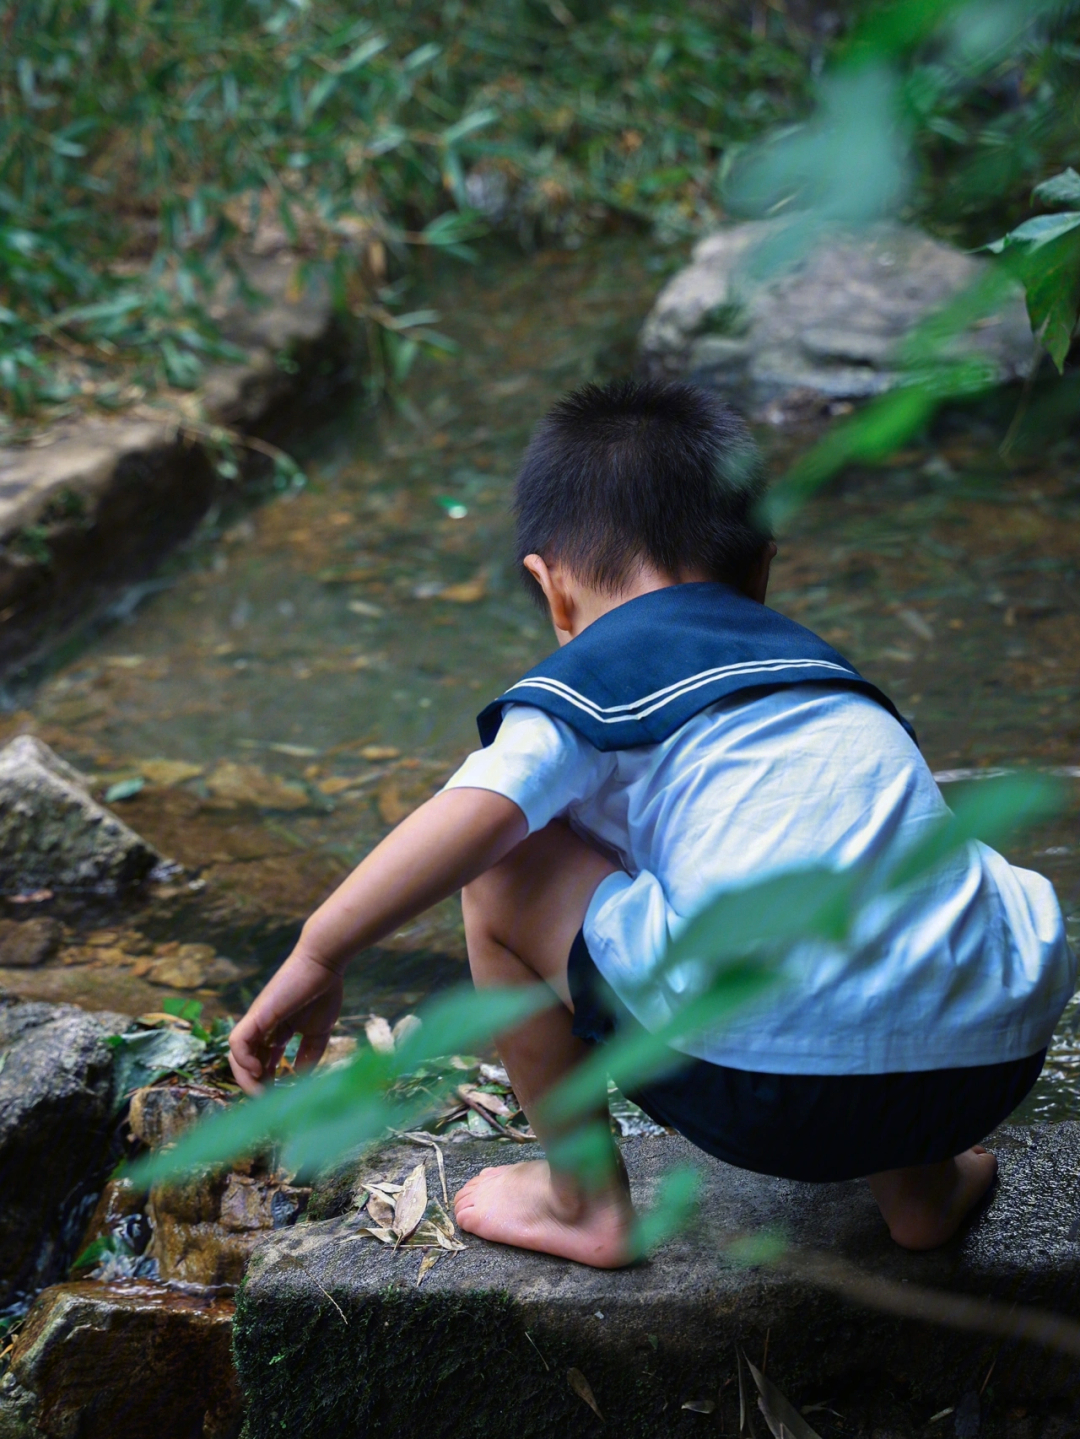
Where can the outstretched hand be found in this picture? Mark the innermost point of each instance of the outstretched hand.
(304, 998)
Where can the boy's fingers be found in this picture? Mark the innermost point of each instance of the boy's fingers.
(312, 1048)
(247, 1081)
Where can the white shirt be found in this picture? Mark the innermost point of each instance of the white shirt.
(975, 970)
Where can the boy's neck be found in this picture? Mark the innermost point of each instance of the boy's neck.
(590, 604)
(574, 605)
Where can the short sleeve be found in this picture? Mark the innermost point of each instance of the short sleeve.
(538, 762)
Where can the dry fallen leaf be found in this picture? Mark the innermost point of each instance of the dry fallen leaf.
(427, 1263)
(783, 1419)
(384, 1235)
(381, 1211)
(411, 1202)
(466, 593)
(379, 1034)
(580, 1385)
(379, 751)
(493, 1103)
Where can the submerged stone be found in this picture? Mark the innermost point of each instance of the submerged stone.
(56, 1093)
(53, 834)
(831, 324)
(334, 1335)
(27, 944)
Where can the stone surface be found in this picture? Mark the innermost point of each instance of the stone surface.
(136, 1360)
(55, 1125)
(159, 1115)
(26, 944)
(485, 1345)
(829, 324)
(53, 834)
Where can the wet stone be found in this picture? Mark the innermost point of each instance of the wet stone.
(133, 1359)
(493, 1332)
(159, 1115)
(27, 944)
(56, 1094)
(53, 834)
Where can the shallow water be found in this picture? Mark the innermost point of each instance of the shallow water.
(378, 608)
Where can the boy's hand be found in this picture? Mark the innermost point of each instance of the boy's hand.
(304, 998)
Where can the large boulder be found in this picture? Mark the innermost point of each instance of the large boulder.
(56, 1104)
(53, 834)
(334, 1334)
(829, 324)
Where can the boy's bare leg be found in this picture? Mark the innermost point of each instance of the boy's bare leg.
(521, 918)
(925, 1205)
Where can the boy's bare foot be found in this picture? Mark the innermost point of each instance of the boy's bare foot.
(924, 1206)
(522, 1204)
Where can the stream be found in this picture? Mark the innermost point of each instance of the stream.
(303, 673)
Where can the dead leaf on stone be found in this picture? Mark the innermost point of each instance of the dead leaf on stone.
(367, 1231)
(248, 784)
(783, 1419)
(339, 1049)
(411, 1202)
(580, 1385)
(379, 1034)
(427, 1263)
(168, 772)
(381, 1211)
(493, 1103)
(700, 1406)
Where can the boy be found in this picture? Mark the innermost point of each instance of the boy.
(684, 738)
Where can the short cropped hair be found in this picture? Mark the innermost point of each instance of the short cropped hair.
(641, 470)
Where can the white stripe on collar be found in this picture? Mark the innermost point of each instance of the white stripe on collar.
(617, 714)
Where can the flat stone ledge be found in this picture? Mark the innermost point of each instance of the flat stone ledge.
(333, 1334)
(109, 497)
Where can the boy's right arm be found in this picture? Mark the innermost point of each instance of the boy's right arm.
(440, 847)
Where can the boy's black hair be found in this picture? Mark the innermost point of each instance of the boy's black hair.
(641, 470)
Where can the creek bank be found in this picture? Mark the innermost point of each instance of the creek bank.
(333, 1334)
(827, 330)
(93, 504)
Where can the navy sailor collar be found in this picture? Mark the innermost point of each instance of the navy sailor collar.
(641, 671)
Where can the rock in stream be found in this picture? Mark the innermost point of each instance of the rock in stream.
(829, 325)
(53, 834)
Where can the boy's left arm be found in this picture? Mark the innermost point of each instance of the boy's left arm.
(440, 847)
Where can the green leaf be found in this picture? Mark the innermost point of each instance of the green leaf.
(1039, 230)
(146, 1055)
(1051, 277)
(124, 789)
(181, 1008)
(469, 125)
(1062, 189)
(363, 53)
(676, 1200)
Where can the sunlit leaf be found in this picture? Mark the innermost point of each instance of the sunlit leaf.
(1062, 189)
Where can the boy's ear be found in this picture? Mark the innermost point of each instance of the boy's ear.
(756, 583)
(559, 601)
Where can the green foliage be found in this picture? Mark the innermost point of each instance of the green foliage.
(1049, 264)
(145, 148)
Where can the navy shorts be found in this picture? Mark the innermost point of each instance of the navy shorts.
(816, 1127)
